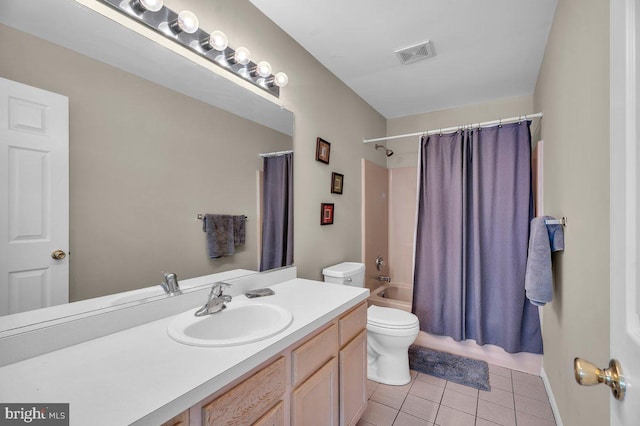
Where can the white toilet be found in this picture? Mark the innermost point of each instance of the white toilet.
(390, 331)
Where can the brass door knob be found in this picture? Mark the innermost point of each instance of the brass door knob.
(587, 374)
(58, 255)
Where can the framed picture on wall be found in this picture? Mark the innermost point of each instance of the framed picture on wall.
(323, 150)
(337, 181)
(326, 214)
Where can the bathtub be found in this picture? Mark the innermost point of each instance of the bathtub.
(392, 296)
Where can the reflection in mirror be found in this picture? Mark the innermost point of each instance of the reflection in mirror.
(151, 145)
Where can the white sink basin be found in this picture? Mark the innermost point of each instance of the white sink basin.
(242, 322)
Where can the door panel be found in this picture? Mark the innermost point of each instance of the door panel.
(34, 197)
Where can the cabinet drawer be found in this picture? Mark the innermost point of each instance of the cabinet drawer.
(274, 417)
(249, 400)
(353, 323)
(314, 353)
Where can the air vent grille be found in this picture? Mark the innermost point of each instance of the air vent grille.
(417, 52)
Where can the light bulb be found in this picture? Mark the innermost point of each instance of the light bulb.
(218, 40)
(187, 22)
(280, 79)
(263, 69)
(151, 5)
(242, 56)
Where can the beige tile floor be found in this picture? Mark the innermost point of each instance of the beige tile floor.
(515, 399)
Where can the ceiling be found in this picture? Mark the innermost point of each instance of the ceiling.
(485, 49)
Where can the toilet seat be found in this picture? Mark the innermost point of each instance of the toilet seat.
(391, 319)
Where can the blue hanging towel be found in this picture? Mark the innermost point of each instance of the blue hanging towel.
(543, 239)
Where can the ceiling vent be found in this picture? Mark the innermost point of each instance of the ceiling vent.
(417, 52)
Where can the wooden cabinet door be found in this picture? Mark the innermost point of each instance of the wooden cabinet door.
(315, 402)
(273, 417)
(353, 380)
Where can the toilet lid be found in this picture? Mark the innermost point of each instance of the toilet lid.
(390, 317)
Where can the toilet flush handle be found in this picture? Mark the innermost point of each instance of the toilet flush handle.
(348, 280)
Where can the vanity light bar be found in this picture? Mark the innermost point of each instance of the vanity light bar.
(183, 29)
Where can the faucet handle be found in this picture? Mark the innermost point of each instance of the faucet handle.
(218, 287)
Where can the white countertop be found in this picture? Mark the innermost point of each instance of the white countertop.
(140, 375)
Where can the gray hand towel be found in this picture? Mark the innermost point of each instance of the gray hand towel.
(239, 230)
(220, 235)
(538, 282)
(224, 233)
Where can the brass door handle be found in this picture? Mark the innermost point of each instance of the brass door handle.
(58, 255)
(587, 374)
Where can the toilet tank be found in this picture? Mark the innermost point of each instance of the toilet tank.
(348, 273)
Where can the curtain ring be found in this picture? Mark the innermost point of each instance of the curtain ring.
(440, 131)
(500, 123)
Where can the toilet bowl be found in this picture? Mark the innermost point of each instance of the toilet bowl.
(390, 331)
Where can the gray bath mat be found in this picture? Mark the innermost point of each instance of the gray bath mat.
(455, 368)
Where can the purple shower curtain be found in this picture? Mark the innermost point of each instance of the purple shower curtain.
(472, 238)
(277, 223)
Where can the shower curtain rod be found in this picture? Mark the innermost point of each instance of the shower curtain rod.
(453, 129)
(275, 154)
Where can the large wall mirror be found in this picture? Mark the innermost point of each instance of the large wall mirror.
(154, 140)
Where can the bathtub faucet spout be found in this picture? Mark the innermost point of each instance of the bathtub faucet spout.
(384, 278)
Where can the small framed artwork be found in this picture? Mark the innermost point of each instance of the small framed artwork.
(336, 183)
(323, 150)
(326, 214)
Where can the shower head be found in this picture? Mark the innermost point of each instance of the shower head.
(388, 152)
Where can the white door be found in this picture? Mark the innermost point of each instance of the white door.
(34, 198)
(625, 207)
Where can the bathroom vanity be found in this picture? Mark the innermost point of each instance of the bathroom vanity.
(315, 367)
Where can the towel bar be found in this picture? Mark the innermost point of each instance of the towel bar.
(201, 216)
(562, 221)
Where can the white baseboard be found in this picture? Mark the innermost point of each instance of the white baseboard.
(552, 400)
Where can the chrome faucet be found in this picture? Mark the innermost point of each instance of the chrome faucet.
(216, 301)
(384, 278)
(170, 284)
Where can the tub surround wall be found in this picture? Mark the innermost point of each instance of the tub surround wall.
(573, 92)
(402, 219)
(375, 221)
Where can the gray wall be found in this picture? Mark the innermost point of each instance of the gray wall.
(144, 160)
(405, 151)
(323, 107)
(573, 92)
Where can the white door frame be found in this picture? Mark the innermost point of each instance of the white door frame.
(624, 211)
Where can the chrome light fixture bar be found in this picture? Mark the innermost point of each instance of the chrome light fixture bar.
(183, 28)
